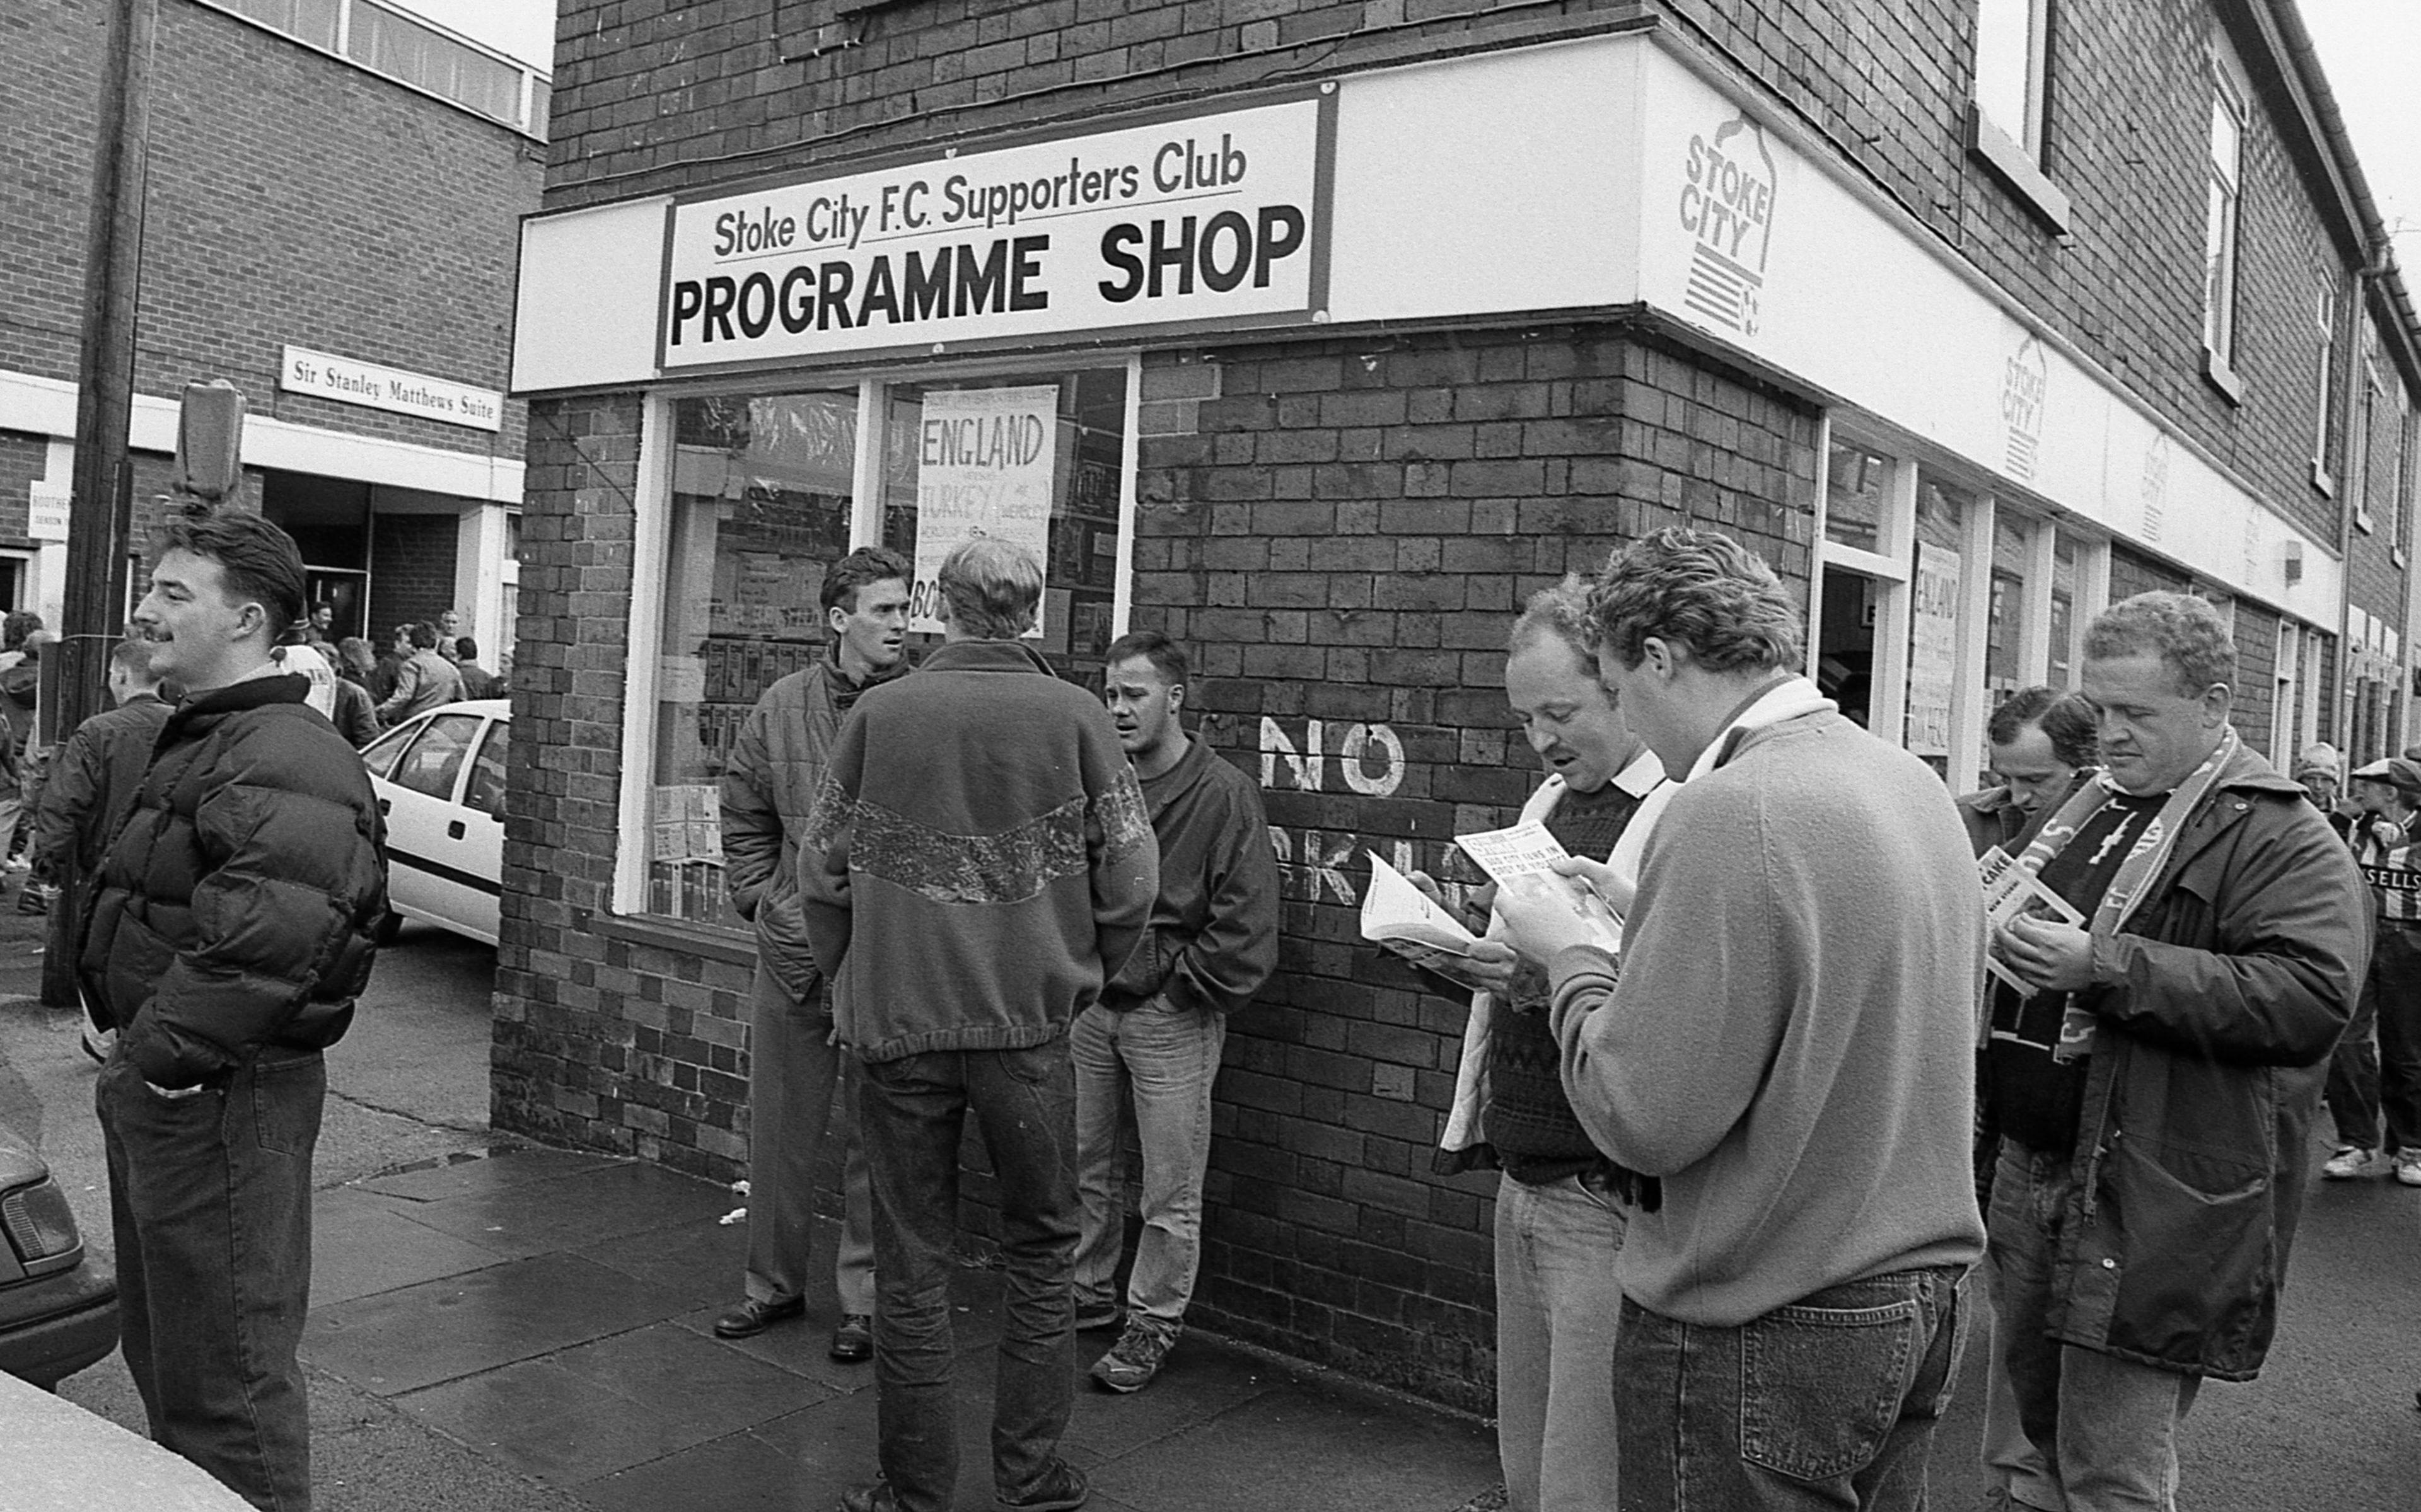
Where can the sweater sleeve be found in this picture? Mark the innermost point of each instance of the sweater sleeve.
(1662, 1064)
(824, 895)
(1236, 949)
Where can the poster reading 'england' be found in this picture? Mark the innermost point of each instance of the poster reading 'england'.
(986, 460)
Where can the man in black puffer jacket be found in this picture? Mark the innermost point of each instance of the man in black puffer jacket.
(228, 935)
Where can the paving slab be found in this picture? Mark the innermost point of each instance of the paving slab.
(414, 1336)
(520, 1218)
(363, 1243)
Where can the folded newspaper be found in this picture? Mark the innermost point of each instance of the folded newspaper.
(1395, 910)
(2012, 893)
(1524, 855)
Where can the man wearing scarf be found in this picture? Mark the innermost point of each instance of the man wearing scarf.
(1789, 1049)
(2156, 1088)
(776, 768)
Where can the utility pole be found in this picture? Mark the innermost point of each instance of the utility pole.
(100, 506)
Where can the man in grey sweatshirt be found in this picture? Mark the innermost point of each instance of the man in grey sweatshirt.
(1789, 1048)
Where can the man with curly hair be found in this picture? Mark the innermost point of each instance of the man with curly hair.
(1788, 1049)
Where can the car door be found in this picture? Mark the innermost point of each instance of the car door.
(482, 851)
(426, 828)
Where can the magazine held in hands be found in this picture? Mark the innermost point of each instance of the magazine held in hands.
(1511, 857)
(1395, 910)
(2012, 893)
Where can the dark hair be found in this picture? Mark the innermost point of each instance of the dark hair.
(1698, 589)
(993, 586)
(1167, 657)
(1563, 612)
(424, 636)
(2184, 631)
(258, 561)
(19, 624)
(465, 648)
(353, 654)
(861, 567)
(2065, 718)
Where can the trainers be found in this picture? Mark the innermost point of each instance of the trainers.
(878, 1497)
(1138, 1356)
(2349, 1162)
(1060, 1487)
(2408, 1166)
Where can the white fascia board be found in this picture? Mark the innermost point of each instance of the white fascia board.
(46, 406)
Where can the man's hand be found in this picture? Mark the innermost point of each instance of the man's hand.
(1540, 915)
(1489, 968)
(1603, 881)
(2050, 955)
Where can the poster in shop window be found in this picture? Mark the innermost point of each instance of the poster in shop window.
(986, 464)
(1933, 650)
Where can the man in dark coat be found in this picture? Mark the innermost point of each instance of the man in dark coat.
(229, 933)
(2155, 1089)
(92, 785)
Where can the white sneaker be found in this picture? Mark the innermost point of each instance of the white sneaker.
(2408, 1167)
(2349, 1162)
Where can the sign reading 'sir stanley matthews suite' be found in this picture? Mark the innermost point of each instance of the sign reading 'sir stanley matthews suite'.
(1213, 218)
(351, 381)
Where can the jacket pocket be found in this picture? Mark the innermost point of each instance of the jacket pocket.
(1820, 1387)
(2191, 1229)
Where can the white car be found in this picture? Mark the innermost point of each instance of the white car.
(440, 779)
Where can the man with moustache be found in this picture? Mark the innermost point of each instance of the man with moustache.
(1154, 1035)
(794, 1069)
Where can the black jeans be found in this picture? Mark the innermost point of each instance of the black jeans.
(1829, 1402)
(912, 1112)
(209, 1200)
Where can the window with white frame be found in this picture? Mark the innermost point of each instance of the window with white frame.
(2357, 451)
(763, 491)
(412, 51)
(2230, 118)
(2013, 44)
(2324, 380)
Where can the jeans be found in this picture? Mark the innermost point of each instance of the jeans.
(912, 1111)
(1169, 1057)
(2011, 1461)
(2377, 1068)
(209, 1203)
(793, 1069)
(2107, 1428)
(1556, 1310)
(1829, 1402)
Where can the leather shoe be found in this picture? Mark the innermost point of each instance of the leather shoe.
(878, 1497)
(853, 1341)
(753, 1317)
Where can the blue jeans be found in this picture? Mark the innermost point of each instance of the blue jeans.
(1556, 1310)
(210, 1202)
(793, 1071)
(912, 1113)
(1829, 1402)
(2107, 1428)
(1168, 1057)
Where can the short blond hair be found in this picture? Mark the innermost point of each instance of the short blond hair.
(993, 586)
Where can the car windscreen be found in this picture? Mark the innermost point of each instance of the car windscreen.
(435, 759)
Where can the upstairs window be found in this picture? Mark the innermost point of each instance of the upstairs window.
(2324, 392)
(2230, 117)
(2005, 126)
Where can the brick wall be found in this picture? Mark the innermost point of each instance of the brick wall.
(411, 570)
(292, 198)
(24, 459)
(2254, 710)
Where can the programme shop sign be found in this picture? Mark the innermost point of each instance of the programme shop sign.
(1215, 219)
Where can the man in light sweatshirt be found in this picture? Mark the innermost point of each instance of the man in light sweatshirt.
(1789, 1048)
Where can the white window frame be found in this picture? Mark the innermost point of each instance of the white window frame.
(2011, 142)
(651, 547)
(2357, 452)
(2325, 322)
(2231, 98)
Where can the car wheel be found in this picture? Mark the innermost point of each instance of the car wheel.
(390, 925)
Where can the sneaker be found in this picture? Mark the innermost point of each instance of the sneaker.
(1060, 1487)
(2349, 1162)
(1138, 1356)
(878, 1497)
(99, 1043)
(2408, 1166)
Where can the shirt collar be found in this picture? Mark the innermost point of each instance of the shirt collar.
(1643, 777)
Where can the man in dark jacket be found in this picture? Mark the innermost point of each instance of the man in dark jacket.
(229, 933)
(2040, 740)
(2156, 1089)
(978, 867)
(777, 766)
(92, 785)
(1156, 1030)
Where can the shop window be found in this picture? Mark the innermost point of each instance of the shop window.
(762, 494)
(2005, 647)
(2067, 631)
(1857, 496)
(1065, 441)
(2230, 118)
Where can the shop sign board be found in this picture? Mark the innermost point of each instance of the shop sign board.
(46, 512)
(1212, 220)
(1933, 651)
(986, 465)
(376, 386)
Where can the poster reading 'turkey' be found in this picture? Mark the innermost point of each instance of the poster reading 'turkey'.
(985, 465)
